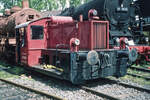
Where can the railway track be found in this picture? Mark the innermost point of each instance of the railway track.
(89, 89)
(140, 69)
(112, 97)
(101, 94)
(139, 75)
(9, 84)
(128, 85)
(104, 95)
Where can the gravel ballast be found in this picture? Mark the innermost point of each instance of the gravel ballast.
(70, 92)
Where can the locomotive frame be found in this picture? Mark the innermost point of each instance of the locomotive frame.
(67, 49)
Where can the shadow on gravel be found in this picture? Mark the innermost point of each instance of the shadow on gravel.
(98, 82)
(54, 82)
(50, 81)
(66, 85)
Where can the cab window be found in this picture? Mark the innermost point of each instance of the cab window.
(36, 32)
(22, 32)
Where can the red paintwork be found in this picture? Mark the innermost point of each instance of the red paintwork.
(91, 14)
(35, 46)
(142, 50)
(89, 40)
(57, 32)
(73, 47)
(122, 43)
(61, 19)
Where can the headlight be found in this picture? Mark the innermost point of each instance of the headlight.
(135, 0)
(146, 39)
(137, 18)
(117, 40)
(131, 42)
(77, 42)
(94, 12)
(126, 41)
(92, 57)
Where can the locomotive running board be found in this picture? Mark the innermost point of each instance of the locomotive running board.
(48, 72)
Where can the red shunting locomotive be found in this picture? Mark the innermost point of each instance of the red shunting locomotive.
(73, 50)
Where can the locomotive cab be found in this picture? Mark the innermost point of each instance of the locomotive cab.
(67, 49)
(20, 42)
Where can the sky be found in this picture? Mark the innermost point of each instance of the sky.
(1, 6)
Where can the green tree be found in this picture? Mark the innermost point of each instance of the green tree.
(62, 3)
(9, 3)
(75, 3)
(42, 4)
(85, 1)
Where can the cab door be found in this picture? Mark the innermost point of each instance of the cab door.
(36, 43)
(21, 47)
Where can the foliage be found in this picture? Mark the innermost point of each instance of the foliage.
(85, 1)
(43, 4)
(75, 3)
(63, 3)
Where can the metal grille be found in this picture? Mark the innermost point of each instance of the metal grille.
(99, 35)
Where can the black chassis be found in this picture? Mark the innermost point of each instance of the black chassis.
(79, 71)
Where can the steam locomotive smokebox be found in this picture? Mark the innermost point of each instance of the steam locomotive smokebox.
(112, 10)
(119, 13)
(84, 9)
(144, 7)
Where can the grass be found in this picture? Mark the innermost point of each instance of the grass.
(136, 79)
(143, 65)
(17, 70)
(10, 71)
(5, 75)
(145, 74)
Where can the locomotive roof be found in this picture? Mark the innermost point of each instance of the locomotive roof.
(27, 23)
(70, 19)
(23, 24)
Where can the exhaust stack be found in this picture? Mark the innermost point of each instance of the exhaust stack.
(25, 4)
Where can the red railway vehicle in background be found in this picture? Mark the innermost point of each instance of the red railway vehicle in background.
(12, 17)
(73, 50)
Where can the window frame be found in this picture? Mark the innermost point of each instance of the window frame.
(31, 34)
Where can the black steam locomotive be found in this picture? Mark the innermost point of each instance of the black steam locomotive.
(123, 15)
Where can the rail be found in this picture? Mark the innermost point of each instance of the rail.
(98, 93)
(33, 90)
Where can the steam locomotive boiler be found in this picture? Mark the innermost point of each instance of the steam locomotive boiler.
(73, 50)
(125, 22)
(119, 13)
